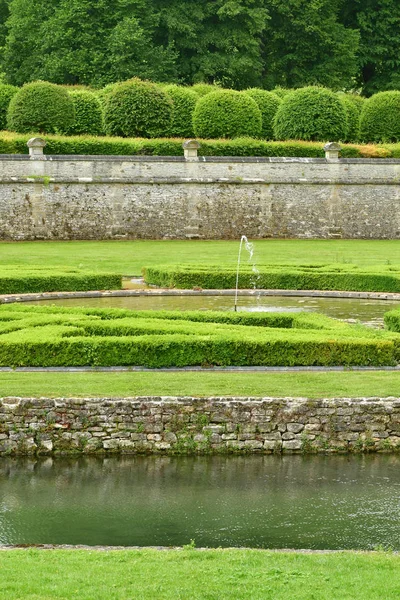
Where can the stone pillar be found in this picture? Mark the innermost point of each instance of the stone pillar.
(190, 149)
(36, 146)
(332, 150)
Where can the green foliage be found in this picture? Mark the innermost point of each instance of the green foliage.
(51, 336)
(21, 280)
(137, 108)
(202, 89)
(281, 92)
(353, 105)
(6, 93)
(392, 320)
(184, 101)
(268, 103)
(40, 106)
(311, 113)
(380, 118)
(227, 114)
(286, 277)
(88, 114)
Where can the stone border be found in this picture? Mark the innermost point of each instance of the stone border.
(10, 298)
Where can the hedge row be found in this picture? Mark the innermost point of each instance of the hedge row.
(392, 320)
(142, 108)
(33, 336)
(20, 280)
(13, 143)
(285, 277)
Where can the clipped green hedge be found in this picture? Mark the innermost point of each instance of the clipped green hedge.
(380, 118)
(202, 89)
(268, 103)
(88, 114)
(311, 113)
(392, 320)
(40, 106)
(184, 101)
(353, 106)
(48, 336)
(285, 277)
(227, 114)
(13, 143)
(137, 108)
(6, 93)
(20, 280)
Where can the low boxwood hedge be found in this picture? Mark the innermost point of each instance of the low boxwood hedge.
(21, 280)
(286, 277)
(50, 337)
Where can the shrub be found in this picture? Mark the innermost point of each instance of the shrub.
(88, 114)
(268, 103)
(353, 105)
(311, 113)
(227, 114)
(40, 106)
(52, 336)
(380, 118)
(137, 108)
(19, 280)
(281, 92)
(6, 93)
(202, 89)
(184, 101)
(104, 92)
(299, 277)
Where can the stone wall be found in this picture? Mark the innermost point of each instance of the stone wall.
(111, 197)
(152, 425)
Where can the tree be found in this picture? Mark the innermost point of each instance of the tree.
(378, 22)
(306, 45)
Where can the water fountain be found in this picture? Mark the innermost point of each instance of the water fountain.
(250, 249)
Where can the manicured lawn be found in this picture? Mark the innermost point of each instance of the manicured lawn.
(191, 574)
(128, 257)
(124, 384)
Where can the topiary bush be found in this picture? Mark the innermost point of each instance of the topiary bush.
(40, 106)
(268, 103)
(227, 114)
(88, 114)
(311, 113)
(6, 93)
(281, 92)
(353, 105)
(380, 118)
(202, 89)
(184, 102)
(137, 108)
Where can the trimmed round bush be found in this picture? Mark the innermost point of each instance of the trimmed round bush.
(6, 93)
(227, 114)
(88, 114)
(380, 118)
(353, 105)
(184, 102)
(281, 92)
(311, 113)
(40, 107)
(268, 103)
(202, 89)
(104, 92)
(137, 108)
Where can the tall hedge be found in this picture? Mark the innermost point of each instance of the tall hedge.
(40, 106)
(88, 114)
(184, 101)
(6, 93)
(137, 108)
(268, 103)
(380, 118)
(227, 114)
(202, 89)
(311, 113)
(353, 106)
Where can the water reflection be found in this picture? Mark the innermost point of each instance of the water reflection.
(271, 502)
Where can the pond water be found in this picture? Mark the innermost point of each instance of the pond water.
(365, 311)
(256, 501)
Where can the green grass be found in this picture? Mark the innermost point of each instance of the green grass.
(190, 574)
(125, 384)
(128, 257)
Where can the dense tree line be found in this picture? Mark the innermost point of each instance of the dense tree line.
(343, 44)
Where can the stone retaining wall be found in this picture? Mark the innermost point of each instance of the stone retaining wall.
(131, 197)
(152, 425)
